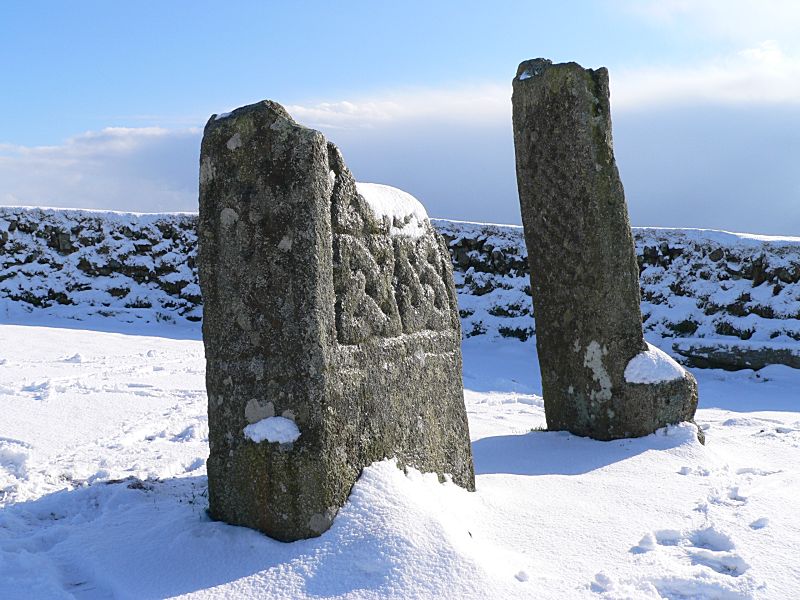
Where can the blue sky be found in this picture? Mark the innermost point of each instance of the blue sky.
(104, 103)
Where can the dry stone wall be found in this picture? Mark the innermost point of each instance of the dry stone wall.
(81, 264)
(720, 299)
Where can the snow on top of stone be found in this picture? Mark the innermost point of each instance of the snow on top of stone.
(273, 429)
(442, 223)
(223, 116)
(61, 212)
(534, 68)
(729, 238)
(652, 366)
(406, 214)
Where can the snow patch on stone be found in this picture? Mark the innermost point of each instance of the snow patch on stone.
(273, 429)
(653, 366)
(405, 213)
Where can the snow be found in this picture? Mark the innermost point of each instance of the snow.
(273, 429)
(112, 216)
(405, 214)
(728, 238)
(652, 366)
(688, 297)
(103, 489)
(688, 300)
(224, 115)
(99, 277)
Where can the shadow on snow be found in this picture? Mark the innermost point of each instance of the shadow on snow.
(561, 453)
(153, 539)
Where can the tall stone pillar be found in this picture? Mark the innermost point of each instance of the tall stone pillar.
(330, 327)
(584, 275)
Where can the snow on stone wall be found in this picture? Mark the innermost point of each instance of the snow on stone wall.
(490, 268)
(80, 263)
(704, 292)
(715, 298)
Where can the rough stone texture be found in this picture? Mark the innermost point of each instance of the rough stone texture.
(314, 312)
(584, 275)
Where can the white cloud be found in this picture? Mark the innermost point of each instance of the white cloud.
(481, 102)
(764, 74)
(760, 75)
(138, 169)
(739, 21)
(453, 148)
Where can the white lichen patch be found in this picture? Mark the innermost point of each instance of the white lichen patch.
(256, 411)
(243, 321)
(235, 142)
(278, 430)
(593, 360)
(286, 243)
(320, 523)
(228, 217)
(257, 367)
(207, 171)
(653, 366)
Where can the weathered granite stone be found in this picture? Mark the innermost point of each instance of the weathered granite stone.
(584, 275)
(320, 309)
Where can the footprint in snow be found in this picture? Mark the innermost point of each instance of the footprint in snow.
(694, 471)
(708, 547)
(756, 471)
(192, 432)
(714, 549)
(194, 465)
(14, 457)
(785, 434)
(40, 391)
(732, 496)
(785, 429)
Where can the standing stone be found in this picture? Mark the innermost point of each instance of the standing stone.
(330, 327)
(584, 275)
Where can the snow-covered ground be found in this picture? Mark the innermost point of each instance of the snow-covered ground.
(103, 438)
